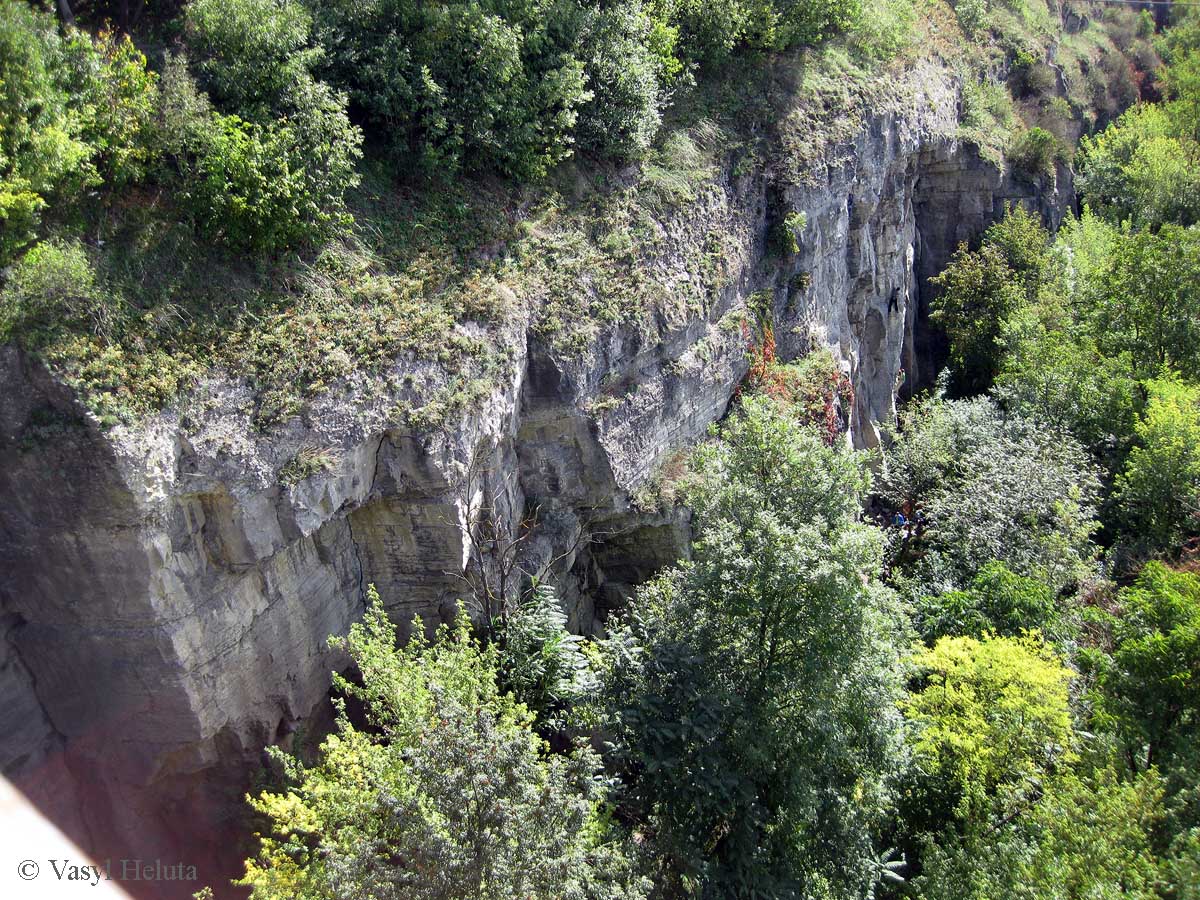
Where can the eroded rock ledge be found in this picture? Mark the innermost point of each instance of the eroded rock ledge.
(166, 599)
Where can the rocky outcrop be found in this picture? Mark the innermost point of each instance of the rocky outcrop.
(166, 599)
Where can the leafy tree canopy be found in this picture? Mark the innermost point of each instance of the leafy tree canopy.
(1158, 491)
(1148, 687)
(990, 719)
(990, 487)
(996, 602)
(754, 689)
(449, 794)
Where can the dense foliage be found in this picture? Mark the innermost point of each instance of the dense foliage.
(1085, 342)
(990, 486)
(753, 689)
(990, 721)
(76, 113)
(446, 792)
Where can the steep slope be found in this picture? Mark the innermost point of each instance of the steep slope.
(169, 585)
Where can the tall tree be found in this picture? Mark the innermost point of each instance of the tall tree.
(755, 687)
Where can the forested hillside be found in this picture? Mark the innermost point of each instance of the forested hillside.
(961, 664)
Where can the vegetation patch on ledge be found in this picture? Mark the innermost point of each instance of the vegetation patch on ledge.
(219, 192)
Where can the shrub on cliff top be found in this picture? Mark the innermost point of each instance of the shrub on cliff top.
(75, 114)
(53, 288)
(249, 51)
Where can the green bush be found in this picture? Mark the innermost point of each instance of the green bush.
(249, 51)
(754, 688)
(972, 16)
(1146, 690)
(626, 79)
(987, 116)
(1030, 77)
(183, 112)
(1036, 152)
(448, 794)
(541, 662)
(270, 186)
(52, 288)
(709, 29)
(885, 28)
(467, 84)
(784, 239)
(997, 602)
(810, 23)
(75, 113)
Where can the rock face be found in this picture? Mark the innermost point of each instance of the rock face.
(166, 599)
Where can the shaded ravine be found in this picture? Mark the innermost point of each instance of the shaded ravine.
(166, 600)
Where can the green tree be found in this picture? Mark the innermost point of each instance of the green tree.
(754, 688)
(1147, 300)
(472, 84)
(1137, 169)
(977, 293)
(1158, 492)
(996, 602)
(449, 795)
(1023, 241)
(1181, 868)
(250, 51)
(991, 487)
(75, 114)
(981, 290)
(1148, 688)
(990, 720)
(1054, 371)
(1088, 836)
(541, 663)
(1054, 368)
(1183, 87)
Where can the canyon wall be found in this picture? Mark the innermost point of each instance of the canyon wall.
(166, 599)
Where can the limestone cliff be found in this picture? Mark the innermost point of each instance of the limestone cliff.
(166, 596)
